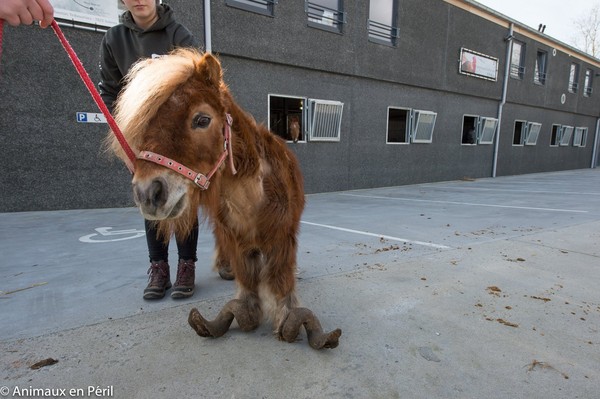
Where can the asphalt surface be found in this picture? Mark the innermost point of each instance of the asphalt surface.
(465, 289)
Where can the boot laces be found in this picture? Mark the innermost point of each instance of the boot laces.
(185, 270)
(156, 272)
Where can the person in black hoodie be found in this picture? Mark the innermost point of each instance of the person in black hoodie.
(149, 29)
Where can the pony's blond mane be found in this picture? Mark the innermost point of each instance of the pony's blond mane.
(148, 85)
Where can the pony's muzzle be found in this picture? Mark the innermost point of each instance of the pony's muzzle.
(160, 197)
(152, 195)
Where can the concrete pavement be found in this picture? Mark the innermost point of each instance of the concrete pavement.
(464, 289)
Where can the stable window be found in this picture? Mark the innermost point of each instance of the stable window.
(519, 132)
(533, 131)
(580, 137)
(573, 78)
(488, 128)
(541, 61)
(478, 130)
(382, 24)
(587, 83)
(287, 117)
(565, 136)
(555, 135)
(324, 120)
(517, 60)
(304, 119)
(264, 7)
(407, 125)
(325, 14)
(398, 126)
(423, 124)
(469, 129)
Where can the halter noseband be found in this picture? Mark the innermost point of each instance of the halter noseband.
(199, 179)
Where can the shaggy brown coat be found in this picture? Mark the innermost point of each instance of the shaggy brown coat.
(176, 106)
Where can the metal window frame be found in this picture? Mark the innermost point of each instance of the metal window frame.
(566, 132)
(268, 9)
(483, 120)
(303, 118)
(416, 126)
(580, 136)
(523, 132)
(477, 126)
(337, 18)
(324, 115)
(573, 78)
(540, 74)
(584, 137)
(384, 34)
(588, 82)
(558, 134)
(533, 132)
(407, 130)
(520, 68)
(378, 33)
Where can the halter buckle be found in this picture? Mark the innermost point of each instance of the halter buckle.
(201, 181)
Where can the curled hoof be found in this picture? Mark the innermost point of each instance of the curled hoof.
(329, 340)
(317, 339)
(198, 323)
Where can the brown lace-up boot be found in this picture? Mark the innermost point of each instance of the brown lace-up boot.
(159, 280)
(186, 277)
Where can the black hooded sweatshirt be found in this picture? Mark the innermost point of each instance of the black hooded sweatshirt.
(124, 44)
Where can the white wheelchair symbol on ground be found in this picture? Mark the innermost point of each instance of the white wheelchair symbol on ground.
(107, 234)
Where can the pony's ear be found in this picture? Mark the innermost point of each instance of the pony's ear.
(209, 68)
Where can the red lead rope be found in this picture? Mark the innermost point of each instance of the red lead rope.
(96, 96)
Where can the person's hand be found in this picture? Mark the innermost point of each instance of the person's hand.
(17, 12)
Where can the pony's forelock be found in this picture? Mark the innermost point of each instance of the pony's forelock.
(148, 85)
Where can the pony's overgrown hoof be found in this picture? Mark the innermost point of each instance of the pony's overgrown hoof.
(329, 340)
(198, 323)
(317, 339)
(234, 309)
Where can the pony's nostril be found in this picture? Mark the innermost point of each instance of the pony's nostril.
(152, 195)
(157, 193)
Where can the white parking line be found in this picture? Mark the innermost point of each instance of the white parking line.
(516, 191)
(467, 203)
(366, 233)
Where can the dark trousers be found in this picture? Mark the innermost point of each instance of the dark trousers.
(159, 250)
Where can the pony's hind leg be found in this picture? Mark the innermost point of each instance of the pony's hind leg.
(246, 312)
(298, 317)
(221, 262)
(280, 281)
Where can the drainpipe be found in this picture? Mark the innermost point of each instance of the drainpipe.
(509, 39)
(207, 27)
(595, 150)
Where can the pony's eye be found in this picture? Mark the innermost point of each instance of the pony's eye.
(200, 121)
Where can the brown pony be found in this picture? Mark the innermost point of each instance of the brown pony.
(177, 111)
(294, 128)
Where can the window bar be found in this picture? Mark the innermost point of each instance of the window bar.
(317, 13)
(382, 30)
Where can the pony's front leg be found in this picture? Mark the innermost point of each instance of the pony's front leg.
(246, 312)
(298, 317)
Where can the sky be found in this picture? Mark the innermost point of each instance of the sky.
(557, 15)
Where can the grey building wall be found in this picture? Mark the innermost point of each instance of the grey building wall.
(52, 162)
